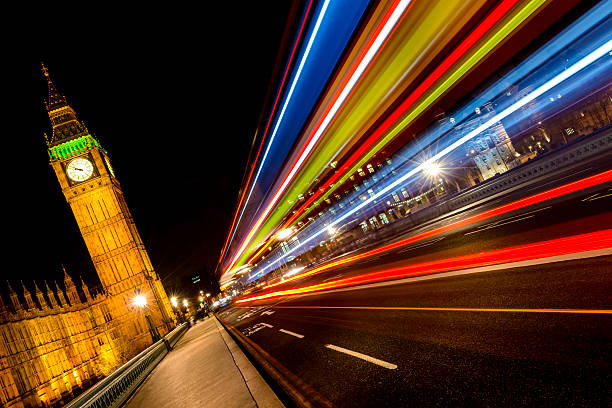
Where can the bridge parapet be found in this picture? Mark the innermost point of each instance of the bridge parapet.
(115, 389)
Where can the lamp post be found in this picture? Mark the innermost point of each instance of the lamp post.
(177, 310)
(141, 301)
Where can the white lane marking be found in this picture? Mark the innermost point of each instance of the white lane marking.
(248, 314)
(254, 329)
(267, 312)
(362, 356)
(299, 336)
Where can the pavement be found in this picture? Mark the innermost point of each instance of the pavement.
(205, 369)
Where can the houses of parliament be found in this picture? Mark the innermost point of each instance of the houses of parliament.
(55, 342)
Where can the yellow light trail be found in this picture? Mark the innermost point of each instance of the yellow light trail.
(326, 151)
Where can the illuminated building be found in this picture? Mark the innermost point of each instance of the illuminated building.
(492, 150)
(53, 348)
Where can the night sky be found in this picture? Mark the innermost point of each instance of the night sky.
(174, 96)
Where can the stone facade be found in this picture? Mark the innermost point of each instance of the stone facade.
(56, 345)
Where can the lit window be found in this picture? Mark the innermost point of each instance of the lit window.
(383, 218)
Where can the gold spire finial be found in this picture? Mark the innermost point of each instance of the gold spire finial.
(45, 71)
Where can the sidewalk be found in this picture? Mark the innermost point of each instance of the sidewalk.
(205, 369)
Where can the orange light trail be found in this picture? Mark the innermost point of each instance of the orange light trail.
(309, 145)
(440, 70)
(506, 208)
(561, 246)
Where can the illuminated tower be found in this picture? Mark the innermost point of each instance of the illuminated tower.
(84, 172)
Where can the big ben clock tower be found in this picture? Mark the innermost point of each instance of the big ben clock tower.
(83, 169)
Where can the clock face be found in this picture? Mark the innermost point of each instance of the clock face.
(110, 168)
(79, 169)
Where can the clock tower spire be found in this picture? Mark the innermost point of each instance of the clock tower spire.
(66, 125)
(96, 199)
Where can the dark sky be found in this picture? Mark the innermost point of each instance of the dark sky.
(174, 95)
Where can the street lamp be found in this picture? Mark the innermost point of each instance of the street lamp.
(141, 302)
(431, 168)
(286, 233)
(177, 310)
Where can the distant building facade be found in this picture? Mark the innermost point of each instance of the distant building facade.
(52, 348)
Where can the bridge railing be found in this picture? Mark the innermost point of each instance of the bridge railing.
(115, 389)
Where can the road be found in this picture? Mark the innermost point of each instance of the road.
(526, 334)
(528, 356)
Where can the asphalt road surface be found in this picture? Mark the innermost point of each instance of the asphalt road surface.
(530, 335)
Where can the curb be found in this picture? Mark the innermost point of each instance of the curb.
(299, 392)
(261, 392)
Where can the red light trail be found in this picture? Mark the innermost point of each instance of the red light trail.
(561, 246)
(504, 209)
(452, 58)
(400, 6)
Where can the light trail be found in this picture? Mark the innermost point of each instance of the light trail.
(510, 22)
(590, 20)
(548, 85)
(272, 113)
(282, 113)
(494, 212)
(455, 309)
(436, 74)
(556, 247)
(390, 22)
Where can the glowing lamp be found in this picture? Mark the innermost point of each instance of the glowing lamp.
(282, 234)
(140, 301)
(431, 168)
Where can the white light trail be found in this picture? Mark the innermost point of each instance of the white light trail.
(367, 59)
(569, 72)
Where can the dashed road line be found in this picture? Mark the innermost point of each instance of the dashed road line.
(362, 356)
(299, 336)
